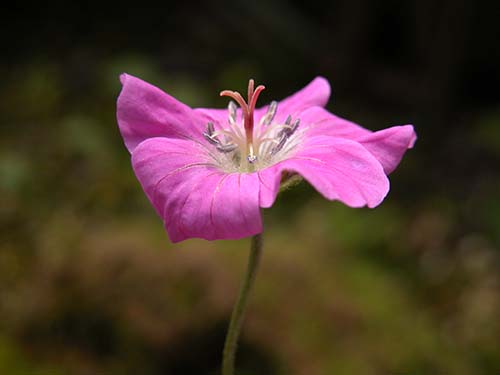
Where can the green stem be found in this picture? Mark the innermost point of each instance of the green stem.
(239, 308)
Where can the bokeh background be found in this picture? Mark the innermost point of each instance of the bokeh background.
(89, 282)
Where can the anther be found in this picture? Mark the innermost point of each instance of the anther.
(226, 148)
(232, 112)
(288, 129)
(271, 112)
(251, 159)
(212, 138)
(285, 133)
(280, 144)
(294, 127)
(210, 128)
(209, 134)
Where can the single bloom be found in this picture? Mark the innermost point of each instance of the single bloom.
(208, 172)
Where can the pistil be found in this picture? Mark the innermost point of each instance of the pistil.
(247, 108)
(246, 149)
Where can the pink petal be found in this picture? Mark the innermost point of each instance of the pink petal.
(194, 198)
(321, 122)
(234, 209)
(217, 116)
(144, 111)
(316, 93)
(340, 169)
(388, 145)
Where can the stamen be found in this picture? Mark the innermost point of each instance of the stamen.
(247, 108)
(280, 144)
(213, 138)
(252, 158)
(210, 128)
(269, 116)
(272, 129)
(231, 108)
(210, 135)
(288, 129)
(227, 147)
(285, 133)
(294, 127)
(250, 149)
(268, 139)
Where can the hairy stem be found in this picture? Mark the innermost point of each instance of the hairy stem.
(233, 332)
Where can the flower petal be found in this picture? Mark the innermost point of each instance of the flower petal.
(316, 93)
(144, 111)
(216, 115)
(388, 145)
(340, 169)
(321, 122)
(194, 198)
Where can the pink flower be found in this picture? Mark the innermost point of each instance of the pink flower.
(208, 172)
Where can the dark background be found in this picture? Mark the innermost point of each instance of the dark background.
(90, 284)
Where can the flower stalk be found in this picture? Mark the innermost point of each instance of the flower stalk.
(238, 313)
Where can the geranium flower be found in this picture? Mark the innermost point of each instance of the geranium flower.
(208, 172)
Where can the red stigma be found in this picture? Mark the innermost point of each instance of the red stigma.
(247, 107)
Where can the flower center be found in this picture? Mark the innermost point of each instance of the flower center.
(255, 147)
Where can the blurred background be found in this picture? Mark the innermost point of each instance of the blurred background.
(89, 282)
